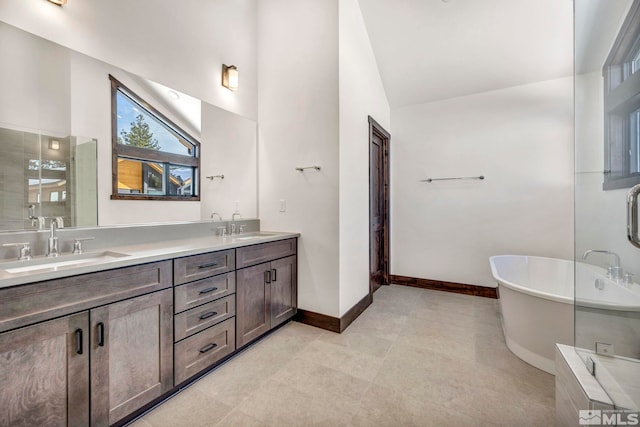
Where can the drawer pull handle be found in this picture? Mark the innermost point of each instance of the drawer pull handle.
(267, 276)
(79, 341)
(100, 327)
(273, 275)
(208, 347)
(207, 315)
(209, 265)
(207, 290)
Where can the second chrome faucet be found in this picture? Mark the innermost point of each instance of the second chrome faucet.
(53, 248)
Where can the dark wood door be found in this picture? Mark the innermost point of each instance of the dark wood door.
(378, 205)
(284, 298)
(253, 296)
(44, 372)
(131, 355)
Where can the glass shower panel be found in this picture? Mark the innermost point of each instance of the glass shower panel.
(44, 176)
(607, 266)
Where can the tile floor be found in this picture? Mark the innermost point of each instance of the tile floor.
(414, 358)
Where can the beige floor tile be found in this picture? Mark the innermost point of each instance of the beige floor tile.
(140, 423)
(188, 408)
(237, 418)
(380, 324)
(383, 407)
(342, 359)
(415, 357)
(312, 378)
(503, 409)
(278, 404)
(360, 342)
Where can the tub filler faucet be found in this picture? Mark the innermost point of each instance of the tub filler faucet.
(615, 272)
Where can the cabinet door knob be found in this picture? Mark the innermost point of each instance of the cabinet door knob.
(267, 276)
(273, 275)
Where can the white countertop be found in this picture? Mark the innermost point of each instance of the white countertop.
(134, 255)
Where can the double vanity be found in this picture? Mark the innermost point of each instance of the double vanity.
(96, 339)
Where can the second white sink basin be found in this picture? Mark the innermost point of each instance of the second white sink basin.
(61, 262)
(252, 235)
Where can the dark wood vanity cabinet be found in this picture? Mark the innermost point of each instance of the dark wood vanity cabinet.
(205, 309)
(107, 353)
(122, 338)
(44, 372)
(131, 353)
(267, 292)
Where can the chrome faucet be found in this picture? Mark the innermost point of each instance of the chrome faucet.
(216, 213)
(613, 273)
(232, 225)
(53, 249)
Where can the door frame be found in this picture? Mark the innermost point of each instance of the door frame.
(376, 129)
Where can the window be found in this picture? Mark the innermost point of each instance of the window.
(153, 158)
(622, 106)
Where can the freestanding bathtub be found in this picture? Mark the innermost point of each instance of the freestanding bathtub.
(537, 307)
(536, 304)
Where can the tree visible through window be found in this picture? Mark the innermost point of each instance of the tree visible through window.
(139, 135)
(153, 158)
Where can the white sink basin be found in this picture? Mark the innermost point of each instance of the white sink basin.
(252, 235)
(59, 263)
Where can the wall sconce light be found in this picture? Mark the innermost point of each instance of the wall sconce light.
(58, 2)
(54, 145)
(230, 77)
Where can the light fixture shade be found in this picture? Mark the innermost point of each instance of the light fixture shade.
(230, 77)
(59, 2)
(54, 145)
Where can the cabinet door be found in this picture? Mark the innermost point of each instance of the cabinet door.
(131, 355)
(284, 295)
(44, 373)
(253, 309)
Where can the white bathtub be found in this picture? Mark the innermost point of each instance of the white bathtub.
(536, 302)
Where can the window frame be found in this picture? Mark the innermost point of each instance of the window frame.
(122, 151)
(621, 99)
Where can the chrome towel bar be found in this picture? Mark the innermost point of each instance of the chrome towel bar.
(301, 169)
(481, 177)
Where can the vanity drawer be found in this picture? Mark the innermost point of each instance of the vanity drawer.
(200, 318)
(197, 293)
(257, 254)
(32, 303)
(203, 349)
(196, 267)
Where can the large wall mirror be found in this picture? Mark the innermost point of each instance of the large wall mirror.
(55, 142)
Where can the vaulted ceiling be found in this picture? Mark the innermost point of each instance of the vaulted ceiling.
(429, 50)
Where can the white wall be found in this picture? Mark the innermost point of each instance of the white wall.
(182, 45)
(39, 100)
(361, 95)
(521, 140)
(230, 150)
(298, 117)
